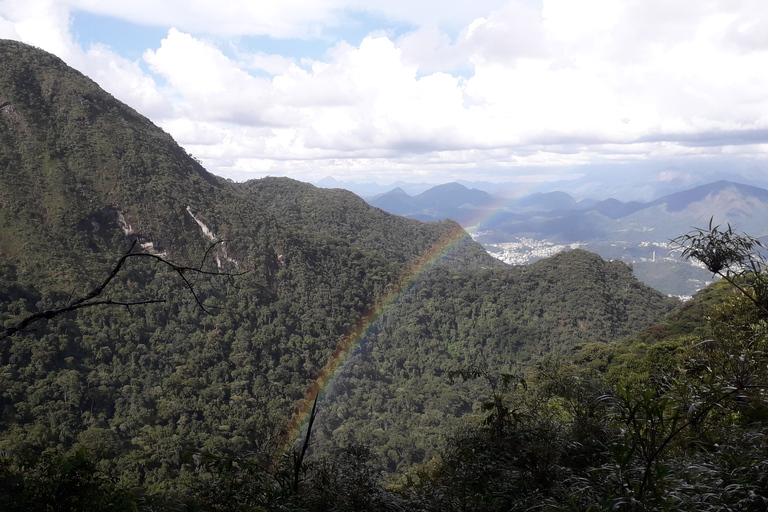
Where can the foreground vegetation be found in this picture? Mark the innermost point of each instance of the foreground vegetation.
(675, 425)
(673, 418)
(465, 395)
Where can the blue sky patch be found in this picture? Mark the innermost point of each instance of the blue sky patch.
(129, 40)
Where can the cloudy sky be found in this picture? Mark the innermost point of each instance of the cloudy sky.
(428, 90)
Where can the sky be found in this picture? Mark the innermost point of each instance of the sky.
(427, 90)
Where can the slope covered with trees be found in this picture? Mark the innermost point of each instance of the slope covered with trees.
(341, 214)
(673, 418)
(185, 402)
(82, 177)
(395, 394)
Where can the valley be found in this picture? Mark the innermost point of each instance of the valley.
(522, 230)
(299, 349)
(652, 262)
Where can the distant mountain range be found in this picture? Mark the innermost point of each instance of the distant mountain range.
(450, 200)
(537, 225)
(595, 182)
(559, 217)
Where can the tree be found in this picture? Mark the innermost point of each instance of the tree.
(733, 256)
(678, 425)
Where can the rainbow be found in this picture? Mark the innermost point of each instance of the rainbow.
(454, 236)
(449, 241)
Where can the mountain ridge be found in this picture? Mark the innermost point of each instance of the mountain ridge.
(455, 194)
(638, 233)
(218, 364)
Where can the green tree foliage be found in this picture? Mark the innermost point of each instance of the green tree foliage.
(167, 407)
(734, 257)
(61, 482)
(343, 215)
(394, 394)
(672, 419)
(84, 176)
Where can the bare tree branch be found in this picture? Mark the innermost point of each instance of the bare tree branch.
(89, 299)
(299, 456)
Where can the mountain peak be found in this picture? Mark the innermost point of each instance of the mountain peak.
(679, 201)
(397, 191)
(454, 195)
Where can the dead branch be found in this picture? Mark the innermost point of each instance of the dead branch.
(90, 299)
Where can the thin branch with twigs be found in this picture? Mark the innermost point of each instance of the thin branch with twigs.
(90, 299)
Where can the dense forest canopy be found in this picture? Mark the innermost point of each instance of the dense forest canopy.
(478, 387)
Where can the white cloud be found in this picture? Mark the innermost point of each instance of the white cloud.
(261, 61)
(211, 85)
(512, 85)
(287, 18)
(43, 23)
(431, 50)
(511, 33)
(8, 30)
(366, 102)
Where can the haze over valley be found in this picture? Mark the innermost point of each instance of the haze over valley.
(524, 229)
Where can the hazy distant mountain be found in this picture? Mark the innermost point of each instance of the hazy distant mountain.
(625, 184)
(634, 231)
(396, 201)
(559, 217)
(371, 189)
(447, 201)
(713, 193)
(453, 195)
(546, 201)
(615, 209)
(744, 206)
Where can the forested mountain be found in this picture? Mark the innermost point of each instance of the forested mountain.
(82, 177)
(395, 395)
(186, 404)
(341, 214)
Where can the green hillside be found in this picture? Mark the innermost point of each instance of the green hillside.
(186, 404)
(394, 394)
(341, 214)
(82, 177)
